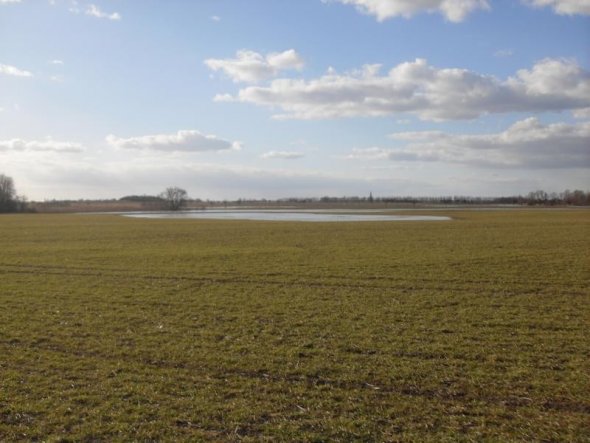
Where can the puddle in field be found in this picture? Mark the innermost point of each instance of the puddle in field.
(282, 216)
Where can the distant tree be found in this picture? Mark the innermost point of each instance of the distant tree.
(537, 197)
(580, 198)
(9, 201)
(141, 198)
(174, 197)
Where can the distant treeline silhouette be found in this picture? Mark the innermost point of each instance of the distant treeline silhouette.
(11, 202)
(565, 198)
(572, 198)
(142, 198)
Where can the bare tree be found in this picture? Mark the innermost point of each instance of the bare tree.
(8, 198)
(174, 197)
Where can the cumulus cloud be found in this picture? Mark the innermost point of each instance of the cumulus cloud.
(286, 155)
(5, 2)
(47, 145)
(563, 7)
(430, 93)
(252, 67)
(452, 10)
(95, 11)
(527, 144)
(184, 140)
(14, 71)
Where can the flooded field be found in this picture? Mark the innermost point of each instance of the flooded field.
(277, 215)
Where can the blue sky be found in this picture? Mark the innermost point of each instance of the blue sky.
(284, 98)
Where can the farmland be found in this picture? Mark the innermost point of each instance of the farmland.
(118, 329)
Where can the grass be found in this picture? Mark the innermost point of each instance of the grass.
(116, 329)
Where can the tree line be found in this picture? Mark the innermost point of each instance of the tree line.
(534, 198)
(174, 198)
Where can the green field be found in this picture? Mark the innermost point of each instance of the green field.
(116, 329)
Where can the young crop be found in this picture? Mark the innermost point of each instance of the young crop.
(117, 329)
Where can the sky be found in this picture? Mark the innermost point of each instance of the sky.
(274, 99)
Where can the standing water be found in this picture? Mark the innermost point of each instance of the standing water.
(283, 216)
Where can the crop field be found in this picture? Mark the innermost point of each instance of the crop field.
(119, 329)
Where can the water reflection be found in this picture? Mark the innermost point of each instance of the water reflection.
(283, 216)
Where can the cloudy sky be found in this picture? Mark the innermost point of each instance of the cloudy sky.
(294, 98)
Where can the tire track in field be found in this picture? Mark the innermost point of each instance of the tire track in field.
(290, 280)
(311, 380)
(445, 392)
(107, 272)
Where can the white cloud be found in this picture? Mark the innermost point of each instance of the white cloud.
(504, 53)
(47, 145)
(94, 11)
(251, 67)
(220, 98)
(14, 71)
(453, 10)
(372, 153)
(74, 7)
(215, 18)
(527, 144)
(5, 2)
(563, 7)
(286, 155)
(56, 62)
(430, 93)
(184, 140)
